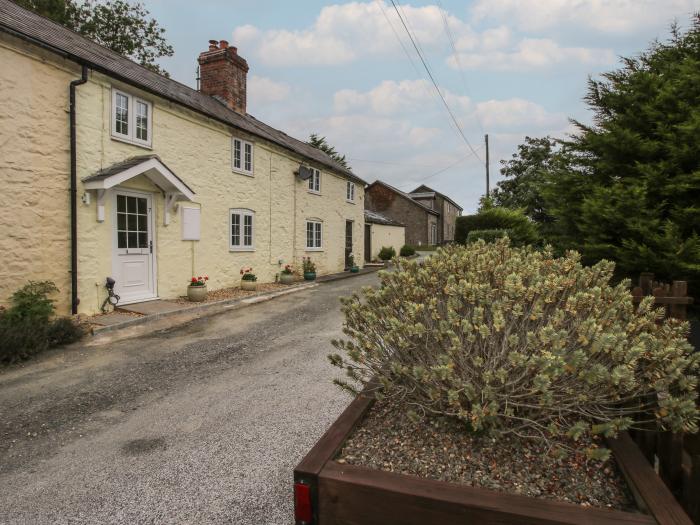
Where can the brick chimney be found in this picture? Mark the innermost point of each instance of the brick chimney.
(222, 74)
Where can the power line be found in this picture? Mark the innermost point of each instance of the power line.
(457, 163)
(432, 79)
(451, 38)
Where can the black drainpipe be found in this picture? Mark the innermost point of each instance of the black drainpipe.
(74, 195)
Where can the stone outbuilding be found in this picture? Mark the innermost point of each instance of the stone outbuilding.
(420, 221)
(449, 210)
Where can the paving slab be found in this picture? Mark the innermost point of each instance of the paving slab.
(111, 319)
(153, 307)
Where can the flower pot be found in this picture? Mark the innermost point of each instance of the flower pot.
(309, 276)
(286, 278)
(355, 269)
(197, 294)
(249, 286)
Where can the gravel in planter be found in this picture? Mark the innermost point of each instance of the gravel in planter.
(440, 449)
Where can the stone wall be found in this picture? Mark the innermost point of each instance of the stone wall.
(34, 172)
(400, 209)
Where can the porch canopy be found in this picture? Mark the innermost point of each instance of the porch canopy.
(173, 187)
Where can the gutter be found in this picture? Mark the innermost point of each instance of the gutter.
(74, 193)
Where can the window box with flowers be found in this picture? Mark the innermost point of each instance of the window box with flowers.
(249, 281)
(197, 290)
(309, 269)
(287, 274)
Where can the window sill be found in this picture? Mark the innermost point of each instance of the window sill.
(242, 172)
(313, 192)
(314, 249)
(234, 250)
(127, 140)
(350, 202)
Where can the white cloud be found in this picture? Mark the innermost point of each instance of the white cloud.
(610, 16)
(345, 33)
(262, 90)
(530, 53)
(518, 114)
(392, 97)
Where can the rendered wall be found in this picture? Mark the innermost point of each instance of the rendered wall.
(35, 167)
(383, 235)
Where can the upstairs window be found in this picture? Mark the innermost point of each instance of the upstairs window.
(313, 235)
(350, 191)
(131, 118)
(315, 181)
(242, 156)
(242, 224)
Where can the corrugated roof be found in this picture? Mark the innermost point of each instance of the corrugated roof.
(42, 31)
(378, 218)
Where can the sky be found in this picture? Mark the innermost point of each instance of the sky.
(348, 71)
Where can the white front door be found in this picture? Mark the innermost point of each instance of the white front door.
(133, 261)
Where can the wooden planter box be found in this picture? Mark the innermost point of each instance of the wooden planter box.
(354, 495)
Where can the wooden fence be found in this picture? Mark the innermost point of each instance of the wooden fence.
(675, 457)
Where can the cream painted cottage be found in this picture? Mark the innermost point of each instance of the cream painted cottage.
(111, 170)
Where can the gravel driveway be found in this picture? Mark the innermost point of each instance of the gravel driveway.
(198, 424)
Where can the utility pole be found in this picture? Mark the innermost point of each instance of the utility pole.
(486, 137)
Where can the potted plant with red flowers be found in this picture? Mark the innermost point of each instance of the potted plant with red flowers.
(287, 274)
(197, 290)
(309, 269)
(248, 279)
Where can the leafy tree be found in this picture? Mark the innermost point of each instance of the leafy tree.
(321, 143)
(524, 174)
(119, 25)
(627, 187)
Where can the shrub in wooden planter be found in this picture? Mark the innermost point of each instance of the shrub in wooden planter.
(516, 341)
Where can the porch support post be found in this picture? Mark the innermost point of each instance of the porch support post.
(170, 204)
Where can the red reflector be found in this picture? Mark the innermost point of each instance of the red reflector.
(302, 503)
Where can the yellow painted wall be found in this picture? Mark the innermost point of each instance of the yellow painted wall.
(383, 235)
(197, 149)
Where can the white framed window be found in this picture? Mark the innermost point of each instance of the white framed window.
(132, 118)
(241, 230)
(242, 156)
(350, 191)
(314, 235)
(315, 181)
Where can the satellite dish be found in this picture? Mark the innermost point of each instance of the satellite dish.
(305, 173)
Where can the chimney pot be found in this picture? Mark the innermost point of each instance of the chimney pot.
(223, 73)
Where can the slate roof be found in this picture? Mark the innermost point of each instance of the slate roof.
(69, 44)
(377, 218)
(404, 195)
(424, 190)
(124, 165)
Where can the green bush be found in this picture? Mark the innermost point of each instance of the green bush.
(26, 328)
(516, 341)
(387, 253)
(521, 230)
(486, 235)
(407, 250)
(63, 331)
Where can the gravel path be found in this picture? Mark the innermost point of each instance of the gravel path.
(440, 449)
(198, 424)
